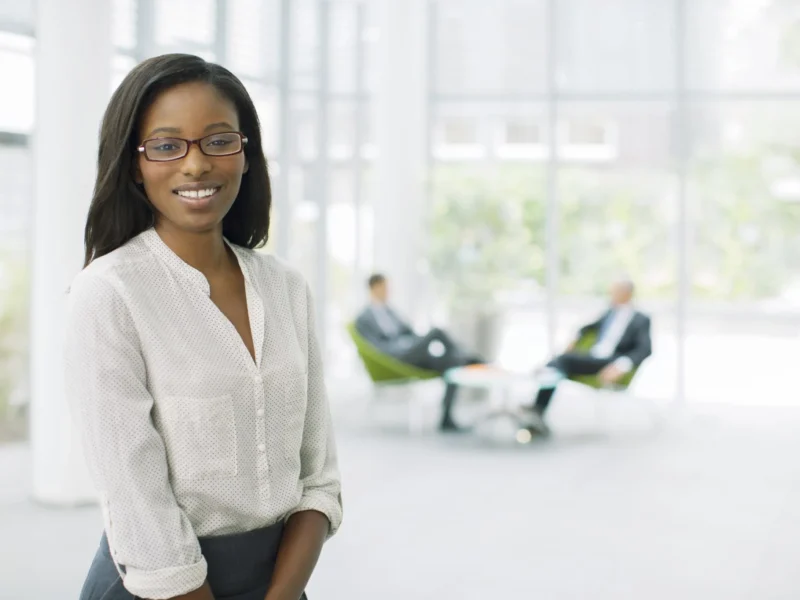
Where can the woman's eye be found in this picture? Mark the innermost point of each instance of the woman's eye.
(219, 142)
(166, 147)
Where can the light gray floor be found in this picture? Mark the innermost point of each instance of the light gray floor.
(708, 507)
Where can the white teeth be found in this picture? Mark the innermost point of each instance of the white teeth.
(196, 193)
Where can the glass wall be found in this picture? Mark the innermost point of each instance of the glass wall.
(744, 248)
(16, 168)
(566, 145)
(651, 138)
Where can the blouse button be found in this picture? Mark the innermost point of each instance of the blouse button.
(260, 412)
(261, 447)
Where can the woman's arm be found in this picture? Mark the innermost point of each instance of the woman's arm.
(149, 536)
(301, 545)
(319, 512)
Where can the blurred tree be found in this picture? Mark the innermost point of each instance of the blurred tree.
(13, 330)
(608, 222)
(614, 222)
(488, 227)
(786, 13)
(747, 241)
(484, 234)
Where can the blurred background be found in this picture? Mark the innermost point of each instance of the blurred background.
(501, 162)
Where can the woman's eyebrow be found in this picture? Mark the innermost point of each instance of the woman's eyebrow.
(224, 124)
(176, 130)
(164, 130)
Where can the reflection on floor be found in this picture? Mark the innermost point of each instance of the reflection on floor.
(706, 508)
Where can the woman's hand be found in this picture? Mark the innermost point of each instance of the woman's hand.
(303, 537)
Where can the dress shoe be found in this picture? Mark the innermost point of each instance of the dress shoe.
(451, 426)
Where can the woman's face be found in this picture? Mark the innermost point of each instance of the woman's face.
(193, 193)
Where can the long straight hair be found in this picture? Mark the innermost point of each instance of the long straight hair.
(120, 209)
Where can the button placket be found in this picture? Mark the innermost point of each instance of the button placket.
(261, 433)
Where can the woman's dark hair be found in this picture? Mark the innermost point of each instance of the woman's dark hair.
(120, 209)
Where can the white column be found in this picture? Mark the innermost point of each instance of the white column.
(400, 115)
(73, 77)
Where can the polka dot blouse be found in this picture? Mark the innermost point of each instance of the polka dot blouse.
(186, 435)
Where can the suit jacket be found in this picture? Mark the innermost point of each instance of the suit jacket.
(635, 341)
(369, 328)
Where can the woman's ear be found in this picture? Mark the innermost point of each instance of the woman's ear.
(246, 166)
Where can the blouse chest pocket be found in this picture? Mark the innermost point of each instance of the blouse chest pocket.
(200, 436)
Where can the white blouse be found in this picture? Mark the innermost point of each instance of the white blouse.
(186, 435)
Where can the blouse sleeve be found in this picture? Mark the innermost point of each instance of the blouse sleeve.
(150, 538)
(319, 471)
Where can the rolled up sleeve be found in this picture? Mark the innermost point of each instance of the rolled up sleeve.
(150, 537)
(319, 471)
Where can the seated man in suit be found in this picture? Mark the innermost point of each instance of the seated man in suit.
(623, 342)
(435, 350)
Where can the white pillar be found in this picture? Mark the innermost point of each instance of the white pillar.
(400, 113)
(73, 77)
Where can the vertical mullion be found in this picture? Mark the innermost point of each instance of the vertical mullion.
(429, 119)
(221, 32)
(682, 146)
(322, 168)
(145, 29)
(551, 196)
(284, 129)
(358, 141)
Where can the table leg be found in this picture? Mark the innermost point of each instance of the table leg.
(500, 407)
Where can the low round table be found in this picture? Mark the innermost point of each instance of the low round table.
(500, 384)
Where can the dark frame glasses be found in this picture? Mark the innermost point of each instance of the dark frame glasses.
(150, 147)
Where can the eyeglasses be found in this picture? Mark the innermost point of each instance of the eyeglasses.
(217, 144)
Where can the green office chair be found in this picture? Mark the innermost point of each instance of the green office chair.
(584, 344)
(654, 413)
(383, 368)
(387, 371)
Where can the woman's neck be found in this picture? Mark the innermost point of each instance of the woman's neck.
(204, 251)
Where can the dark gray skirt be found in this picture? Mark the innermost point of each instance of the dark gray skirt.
(239, 567)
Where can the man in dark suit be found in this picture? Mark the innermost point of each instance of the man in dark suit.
(622, 344)
(435, 350)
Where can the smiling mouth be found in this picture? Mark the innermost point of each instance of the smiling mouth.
(197, 194)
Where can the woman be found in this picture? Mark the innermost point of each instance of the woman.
(193, 359)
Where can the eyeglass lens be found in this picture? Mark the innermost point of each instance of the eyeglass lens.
(217, 144)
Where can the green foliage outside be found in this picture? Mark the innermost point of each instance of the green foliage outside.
(746, 240)
(482, 231)
(13, 329)
(487, 229)
(790, 44)
(612, 223)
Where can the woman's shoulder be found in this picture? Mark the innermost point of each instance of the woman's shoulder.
(109, 270)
